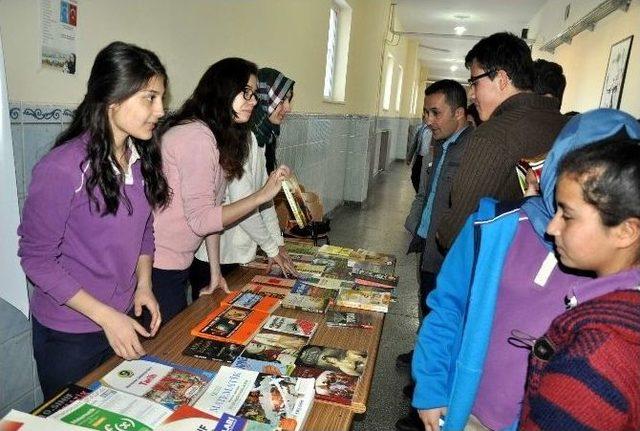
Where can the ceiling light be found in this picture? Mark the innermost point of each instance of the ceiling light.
(453, 68)
(459, 30)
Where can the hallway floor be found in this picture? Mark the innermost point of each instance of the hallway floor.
(379, 226)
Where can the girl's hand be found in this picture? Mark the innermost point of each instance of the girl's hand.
(144, 297)
(122, 333)
(274, 183)
(431, 418)
(283, 260)
(217, 281)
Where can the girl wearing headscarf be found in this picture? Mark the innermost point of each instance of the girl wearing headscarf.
(239, 242)
(499, 282)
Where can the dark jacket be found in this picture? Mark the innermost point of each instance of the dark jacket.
(432, 258)
(523, 126)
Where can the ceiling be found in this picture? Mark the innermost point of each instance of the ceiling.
(479, 17)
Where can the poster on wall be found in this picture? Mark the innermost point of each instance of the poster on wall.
(616, 71)
(58, 24)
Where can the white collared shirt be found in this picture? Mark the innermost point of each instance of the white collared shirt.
(134, 156)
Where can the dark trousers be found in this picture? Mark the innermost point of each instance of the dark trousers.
(415, 172)
(427, 284)
(170, 290)
(63, 358)
(200, 275)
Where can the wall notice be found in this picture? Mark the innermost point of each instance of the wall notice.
(58, 23)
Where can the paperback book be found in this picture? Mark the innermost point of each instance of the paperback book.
(230, 324)
(251, 301)
(312, 304)
(66, 396)
(298, 206)
(364, 299)
(169, 384)
(267, 290)
(107, 408)
(361, 255)
(188, 418)
(280, 401)
(273, 281)
(351, 362)
(331, 386)
(287, 325)
(267, 367)
(273, 347)
(212, 350)
(369, 278)
(327, 283)
(347, 319)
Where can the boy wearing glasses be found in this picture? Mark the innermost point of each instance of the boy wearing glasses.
(516, 124)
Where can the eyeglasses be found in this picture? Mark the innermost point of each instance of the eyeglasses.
(248, 93)
(472, 81)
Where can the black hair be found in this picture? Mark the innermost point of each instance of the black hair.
(453, 92)
(609, 174)
(119, 71)
(211, 103)
(473, 111)
(504, 51)
(548, 78)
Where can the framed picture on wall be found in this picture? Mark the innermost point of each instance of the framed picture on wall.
(616, 70)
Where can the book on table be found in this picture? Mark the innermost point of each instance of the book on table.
(188, 418)
(163, 382)
(347, 319)
(251, 301)
(263, 366)
(280, 401)
(273, 281)
(275, 347)
(107, 408)
(266, 290)
(63, 398)
(287, 325)
(364, 299)
(307, 297)
(213, 350)
(19, 421)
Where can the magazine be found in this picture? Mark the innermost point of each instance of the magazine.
(351, 362)
(187, 418)
(107, 408)
(364, 299)
(347, 319)
(287, 325)
(166, 383)
(277, 400)
(66, 396)
(203, 348)
(298, 206)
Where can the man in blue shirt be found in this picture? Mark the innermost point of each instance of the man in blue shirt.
(419, 152)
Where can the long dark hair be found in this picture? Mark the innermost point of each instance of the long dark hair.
(119, 71)
(211, 103)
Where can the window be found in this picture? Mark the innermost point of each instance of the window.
(414, 99)
(388, 79)
(335, 75)
(399, 89)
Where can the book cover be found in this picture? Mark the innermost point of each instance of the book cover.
(351, 362)
(272, 347)
(212, 350)
(19, 421)
(378, 269)
(327, 283)
(334, 250)
(267, 367)
(107, 408)
(300, 248)
(367, 256)
(524, 165)
(230, 324)
(187, 418)
(309, 268)
(364, 299)
(332, 386)
(267, 290)
(280, 401)
(348, 319)
(298, 206)
(370, 278)
(313, 304)
(251, 301)
(66, 396)
(288, 325)
(169, 384)
(273, 281)
(304, 288)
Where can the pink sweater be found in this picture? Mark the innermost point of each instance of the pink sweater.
(190, 160)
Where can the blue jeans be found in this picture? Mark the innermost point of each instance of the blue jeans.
(63, 357)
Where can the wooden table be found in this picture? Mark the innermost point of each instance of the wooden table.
(174, 337)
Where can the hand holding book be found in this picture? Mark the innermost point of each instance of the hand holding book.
(273, 184)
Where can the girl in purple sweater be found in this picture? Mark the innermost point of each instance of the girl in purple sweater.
(86, 238)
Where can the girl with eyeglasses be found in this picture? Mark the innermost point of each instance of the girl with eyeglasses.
(239, 243)
(86, 237)
(204, 145)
